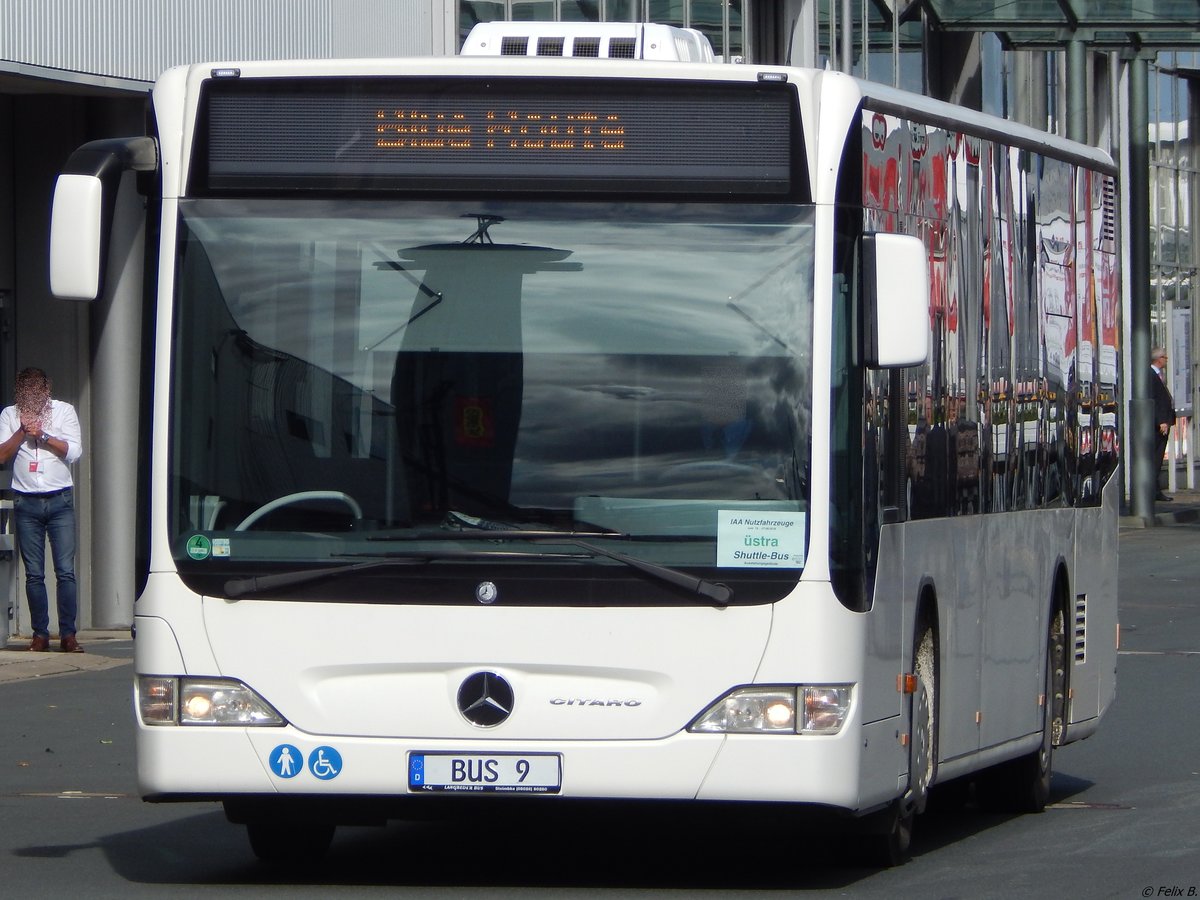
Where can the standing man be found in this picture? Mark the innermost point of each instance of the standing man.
(41, 437)
(1164, 410)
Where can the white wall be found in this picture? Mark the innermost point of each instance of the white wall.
(137, 39)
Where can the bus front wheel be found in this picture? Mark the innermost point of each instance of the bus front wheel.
(891, 844)
(293, 843)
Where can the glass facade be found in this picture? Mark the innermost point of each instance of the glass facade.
(889, 52)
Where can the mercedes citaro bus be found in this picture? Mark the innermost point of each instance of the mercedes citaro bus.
(579, 418)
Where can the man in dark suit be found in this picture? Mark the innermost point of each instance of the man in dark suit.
(1164, 408)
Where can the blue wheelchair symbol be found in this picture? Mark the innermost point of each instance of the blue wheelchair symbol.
(325, 763)
(286, 760)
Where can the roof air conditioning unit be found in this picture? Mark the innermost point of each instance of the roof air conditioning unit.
(588, 40)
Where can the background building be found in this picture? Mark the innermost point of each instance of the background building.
(78, 70)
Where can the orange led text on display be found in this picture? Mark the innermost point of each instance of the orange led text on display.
(416, 129)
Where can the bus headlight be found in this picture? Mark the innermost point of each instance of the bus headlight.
(790, 709)
(201, 701)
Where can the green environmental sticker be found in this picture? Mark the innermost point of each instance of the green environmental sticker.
(198, 546)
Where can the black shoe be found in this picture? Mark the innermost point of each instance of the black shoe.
(1163, 498)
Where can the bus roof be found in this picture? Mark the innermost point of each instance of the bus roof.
(881, 98)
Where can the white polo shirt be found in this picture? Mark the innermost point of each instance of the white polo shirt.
(35, 468)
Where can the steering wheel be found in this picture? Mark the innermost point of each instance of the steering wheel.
(300, 497)
(710, 468)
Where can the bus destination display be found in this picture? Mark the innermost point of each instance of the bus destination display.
(512, 129)
(504, 134)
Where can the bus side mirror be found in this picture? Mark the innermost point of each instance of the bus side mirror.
(85, 196)
(76, 237)
(895, 301)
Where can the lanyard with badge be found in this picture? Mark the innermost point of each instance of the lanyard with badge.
(35, 463)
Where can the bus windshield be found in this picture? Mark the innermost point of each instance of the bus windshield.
(353, 378)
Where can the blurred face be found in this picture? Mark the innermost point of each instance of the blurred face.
(32, 396)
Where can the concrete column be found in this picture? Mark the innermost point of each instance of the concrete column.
(954, 68)
(803, 41)
(1077, 91)
(1029, 105)
(117, 357)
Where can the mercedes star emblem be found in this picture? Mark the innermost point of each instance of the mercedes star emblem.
(485, 699)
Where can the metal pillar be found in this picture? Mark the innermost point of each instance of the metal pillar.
(848, 38)
(1140, 437)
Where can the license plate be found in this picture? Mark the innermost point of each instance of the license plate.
(507, 773)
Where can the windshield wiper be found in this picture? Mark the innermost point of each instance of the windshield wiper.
(459, 526)
(719, 594)
(240, 587)
(498, 534)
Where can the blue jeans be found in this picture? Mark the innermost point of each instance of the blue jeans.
(36, 518)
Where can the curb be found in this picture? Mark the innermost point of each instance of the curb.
(21, 665)
(18, 664)
(1185, 514)
(86, 636)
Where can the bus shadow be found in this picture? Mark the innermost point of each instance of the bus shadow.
(623, 847)
(959, 816)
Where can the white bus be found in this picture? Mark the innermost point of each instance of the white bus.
(541, 429)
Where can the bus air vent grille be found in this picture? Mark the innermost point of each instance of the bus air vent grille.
(587, 47)
(514, 46)
(550, 46)
(622, 48)
(1109, 233)
(1081, 628)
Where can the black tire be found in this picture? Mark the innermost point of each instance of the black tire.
(278, 842)
(1022, 785)
(923, 755)
(891, 844)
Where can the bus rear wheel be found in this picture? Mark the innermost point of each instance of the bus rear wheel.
(1022, 785)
